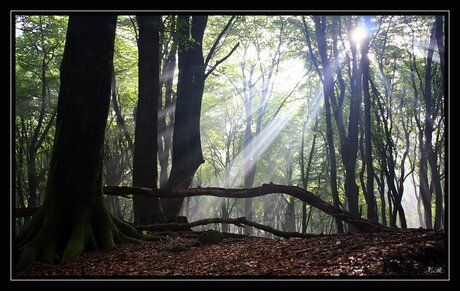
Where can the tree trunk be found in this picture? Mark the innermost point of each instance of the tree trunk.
(166, 117)
(369, 195)
(381, 186)
(328, 92)
(351, 143)
(435, 175)
(73, 216)
(187, 155)
(249, 170)
(145, 173)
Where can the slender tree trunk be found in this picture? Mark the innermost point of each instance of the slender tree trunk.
(328, 92)
(305, 172)
(351, 188)
(145, 173)
(369, 195)
(165, 126)
(73, 216)
(435, 175)
(419, 202)
(119, 117)
(382, 197)
(249, 169)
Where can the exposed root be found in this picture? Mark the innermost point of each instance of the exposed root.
(49, 240)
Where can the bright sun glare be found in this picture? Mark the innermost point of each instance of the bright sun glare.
(359, 34)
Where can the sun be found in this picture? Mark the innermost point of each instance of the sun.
(359, 34)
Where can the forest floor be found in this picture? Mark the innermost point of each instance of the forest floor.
(405, 254)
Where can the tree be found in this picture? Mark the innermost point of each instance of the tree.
(38, 53)
(328, 93)
(73, 217)
(186, 155)
(369, 189)
(145, 173)
(166, 113)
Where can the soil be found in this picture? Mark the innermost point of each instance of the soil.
(399, 254)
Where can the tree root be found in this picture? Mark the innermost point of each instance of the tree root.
(49, 239)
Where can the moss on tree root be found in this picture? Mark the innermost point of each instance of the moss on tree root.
(51, 239)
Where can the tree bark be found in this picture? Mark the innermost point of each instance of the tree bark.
(428, 147)
(145, 173)
(436, 177)
(328, 92)
(165, 126)
(369, 193)
(187, 155)
(73, 217)
(351, 143)
(296, 192)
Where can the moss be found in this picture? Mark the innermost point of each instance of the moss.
(57, 239)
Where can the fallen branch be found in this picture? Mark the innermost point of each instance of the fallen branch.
(308, 197)
(24, 212)
(241, 221)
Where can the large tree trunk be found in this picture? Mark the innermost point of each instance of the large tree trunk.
(145, 173)
(187, 155)
(73, 216)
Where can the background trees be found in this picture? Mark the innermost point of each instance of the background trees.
(300, 101)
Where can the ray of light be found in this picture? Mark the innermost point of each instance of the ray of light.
(258, 145)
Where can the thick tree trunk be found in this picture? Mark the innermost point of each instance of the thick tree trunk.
(187, 155)
(145, 173)
(296, 192)
(73, 216)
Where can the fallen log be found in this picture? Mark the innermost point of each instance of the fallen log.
(240, 221)
(24, 212)
(364, 225)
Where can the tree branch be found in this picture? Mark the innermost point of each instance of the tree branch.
(363, 225)
(221, 61)
(216, 42)
(240, 222)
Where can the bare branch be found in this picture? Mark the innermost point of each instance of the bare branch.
(221, 61)
(216, 42)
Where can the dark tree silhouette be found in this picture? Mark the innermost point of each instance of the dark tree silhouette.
(186, 154)
(73, 216)
(145, 173)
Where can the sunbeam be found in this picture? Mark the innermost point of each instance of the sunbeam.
(259, 145)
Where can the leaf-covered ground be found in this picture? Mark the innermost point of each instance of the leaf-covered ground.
(408, 254)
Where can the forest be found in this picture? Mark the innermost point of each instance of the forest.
(229, 145)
